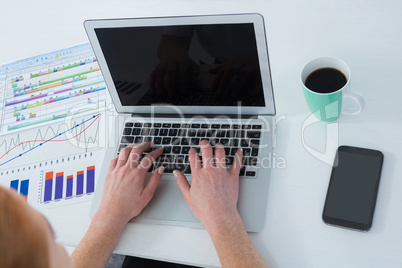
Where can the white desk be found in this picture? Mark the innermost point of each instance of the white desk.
(366, 34)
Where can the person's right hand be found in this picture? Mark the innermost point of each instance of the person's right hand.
(214, 189)
(125, 192)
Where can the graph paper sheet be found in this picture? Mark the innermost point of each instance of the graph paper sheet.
(51, 105)
(61, 181)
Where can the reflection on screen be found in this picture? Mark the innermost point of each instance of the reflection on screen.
(205, 65)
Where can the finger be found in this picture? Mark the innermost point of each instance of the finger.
(136, 153)
(153, 182)
(113, 163)
(123, 155)
(194, 159)
(207, 155)
(235, 169)
(220, 156)
(149, 159)
(182, 183)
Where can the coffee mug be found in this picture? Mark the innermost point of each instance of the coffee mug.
(326, 85)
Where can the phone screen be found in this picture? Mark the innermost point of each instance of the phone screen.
(353, 188)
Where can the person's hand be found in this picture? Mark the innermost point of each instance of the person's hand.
(173, 76)
(125, 193)
(214, 189)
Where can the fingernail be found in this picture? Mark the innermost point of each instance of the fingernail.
(175, 173)
(161, 170)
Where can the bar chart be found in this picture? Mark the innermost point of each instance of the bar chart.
(61, 181)
(21, 186)
(58, 184)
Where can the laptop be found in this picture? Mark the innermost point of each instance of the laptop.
(179, 80)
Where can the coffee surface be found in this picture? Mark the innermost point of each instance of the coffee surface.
(325, 80)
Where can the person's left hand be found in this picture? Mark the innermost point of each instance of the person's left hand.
(125, 193)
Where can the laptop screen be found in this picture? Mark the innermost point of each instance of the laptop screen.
(184, 65)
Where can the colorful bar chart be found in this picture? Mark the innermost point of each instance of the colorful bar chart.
(69, 191)
(59, 185)
(14, 184)
(80, 182)
(90, 179)
(68, 184)
(48, 186)
(23, 187)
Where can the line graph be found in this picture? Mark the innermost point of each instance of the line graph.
(77, 130)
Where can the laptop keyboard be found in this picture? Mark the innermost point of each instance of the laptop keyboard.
(177, 139)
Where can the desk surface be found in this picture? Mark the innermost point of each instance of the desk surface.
(366, 34)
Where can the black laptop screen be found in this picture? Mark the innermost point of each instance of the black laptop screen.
(197, 65)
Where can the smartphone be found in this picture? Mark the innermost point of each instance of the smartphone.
(353, 188)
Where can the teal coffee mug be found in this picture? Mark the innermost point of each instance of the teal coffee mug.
(326, 88)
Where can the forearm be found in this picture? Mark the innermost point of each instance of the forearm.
(233, 244)
(98, 243)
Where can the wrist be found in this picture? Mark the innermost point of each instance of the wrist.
(108, 221)
(223, 223)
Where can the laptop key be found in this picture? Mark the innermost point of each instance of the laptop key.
(138, 125)
(185, 149)
(166, 125)
(157, 140)
(138, 139)
(163, 132)
(254, 152)
(254, 134)
(136, 131)
(254, 143)
(184, 141)
(175, 125)
(127, 139)
(221, 133)
(166, 140)
(127, 131)
(173, 132)
(167, 149)
(176, 150)
(256, 127)
(216, 126)
(250, 173)
(201, 133)
(175, 141)
(129, 124)
(154, 132)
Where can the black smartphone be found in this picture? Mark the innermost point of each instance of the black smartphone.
(353, 187)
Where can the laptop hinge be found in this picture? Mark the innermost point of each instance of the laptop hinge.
(159, 115)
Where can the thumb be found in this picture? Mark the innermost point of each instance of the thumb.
(153, 182)
(182, 182)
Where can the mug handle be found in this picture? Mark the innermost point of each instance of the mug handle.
(357, 98)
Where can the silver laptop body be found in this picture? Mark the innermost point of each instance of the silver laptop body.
(180, 80)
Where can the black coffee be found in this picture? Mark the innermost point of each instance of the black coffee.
(325, 80)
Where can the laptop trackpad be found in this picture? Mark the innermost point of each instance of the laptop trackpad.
(168, 204)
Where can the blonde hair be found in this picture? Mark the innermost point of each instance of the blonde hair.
(21, 245)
